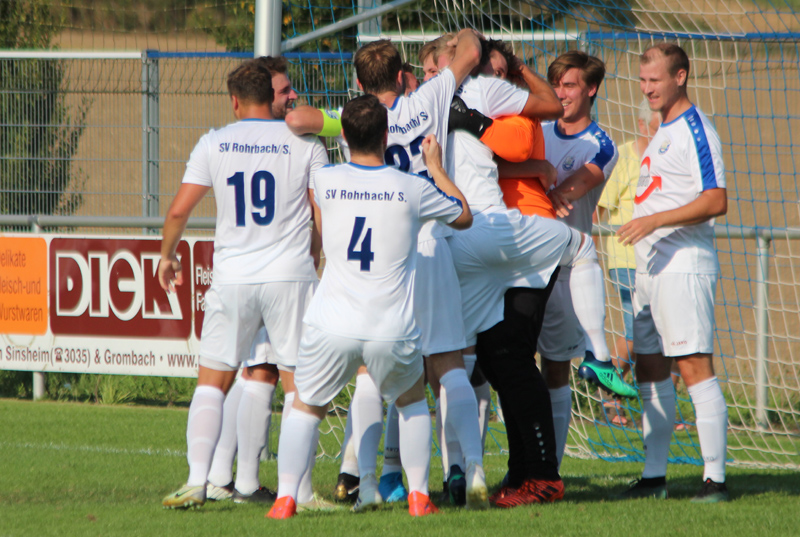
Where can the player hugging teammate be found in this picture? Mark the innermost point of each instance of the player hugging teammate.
(466, 249)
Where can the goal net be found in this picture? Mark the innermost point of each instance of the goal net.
(745, 76)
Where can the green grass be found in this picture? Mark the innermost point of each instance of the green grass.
(78, 469)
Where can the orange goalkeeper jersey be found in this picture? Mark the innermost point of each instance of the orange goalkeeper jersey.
(517, 139)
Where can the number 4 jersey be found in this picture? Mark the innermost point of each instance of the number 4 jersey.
(260, 175)
(371, 217)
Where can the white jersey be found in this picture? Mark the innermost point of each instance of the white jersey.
(469, 161)
(371, 217)
(260, 172)
(411, 119)
(569, 153)
(683, 160)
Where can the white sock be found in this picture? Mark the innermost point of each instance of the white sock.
(296, 441)
(658, 412)
(367, 424)
(415, 444)
(461, 415)
(221, 472)
(483, 394)
(469, 363)
(255, 410)
(588, 301)
(349, 461)
(561, 401)
(439, 424)
(391, 443)
(451, 449)
(202, 431)
(305, 492)
(712, 426)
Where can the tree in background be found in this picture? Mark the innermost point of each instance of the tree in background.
(39, 132)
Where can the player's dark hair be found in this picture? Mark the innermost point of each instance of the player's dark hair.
(505, 51)
(251, 82)
(593, 70)
(677, 58)
(364, 124)
(276, 65)
(377, 65)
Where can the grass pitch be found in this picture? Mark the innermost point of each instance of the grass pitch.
(79, 469)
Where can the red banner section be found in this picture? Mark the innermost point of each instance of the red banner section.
(202, 272)
(109, 287)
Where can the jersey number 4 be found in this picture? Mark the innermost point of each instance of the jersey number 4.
(364, 255)
(262, 196)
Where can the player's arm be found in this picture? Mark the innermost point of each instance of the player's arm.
(306, 119)
(543, 103)
(467, 55)
(575, 187)
(709, 204)
(510, 137)
(316, 230)
(432, 154)
(540, 169)
(169, 268)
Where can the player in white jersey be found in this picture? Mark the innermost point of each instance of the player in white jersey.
(363, 312)
(425, 111)
(264, 272)
(584, 157)
(681, 190)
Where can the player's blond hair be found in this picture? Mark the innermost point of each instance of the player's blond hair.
(437, 47)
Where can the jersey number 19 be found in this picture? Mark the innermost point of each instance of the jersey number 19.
(262, 196)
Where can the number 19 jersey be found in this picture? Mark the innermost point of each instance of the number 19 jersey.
(371, 217)
(260, 174)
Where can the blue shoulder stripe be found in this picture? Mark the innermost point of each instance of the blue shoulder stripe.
(433, 184)
(701, 145)
(606, 151)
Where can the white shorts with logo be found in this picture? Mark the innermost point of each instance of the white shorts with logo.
(561, 338)
(328, 362)
(234, 313)
(437, 297)
(673, 314)
(505, 249)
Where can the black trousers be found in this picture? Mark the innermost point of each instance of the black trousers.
(506, 354)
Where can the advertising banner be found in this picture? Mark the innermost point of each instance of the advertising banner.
(94, 305)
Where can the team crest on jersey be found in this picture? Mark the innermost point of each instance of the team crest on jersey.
(568, 163)
(664, 147)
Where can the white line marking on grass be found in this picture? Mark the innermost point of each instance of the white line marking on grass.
(96, 449)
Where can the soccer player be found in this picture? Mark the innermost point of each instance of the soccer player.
(369, 216)
(247, 410)
(264, 271)
(681, 190)
(425, 111)
(584, 156)
(616, 207)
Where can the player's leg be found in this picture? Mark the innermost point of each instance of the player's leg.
(229, 328)
(694, 330)
(483, 395)
(347, 483)
(506, 354)
(325, 364)
(460, 417)
(255, 412)
(391, 483)
(367, 426)
(588, 302)
(220, 476)
(657, 393)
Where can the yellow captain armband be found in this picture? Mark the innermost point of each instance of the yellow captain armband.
(331, 123)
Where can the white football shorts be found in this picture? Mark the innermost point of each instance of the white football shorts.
(235, 312)
(674, 314)
(328, 362)
(437, 297)
(505, 249)
(561, 338)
